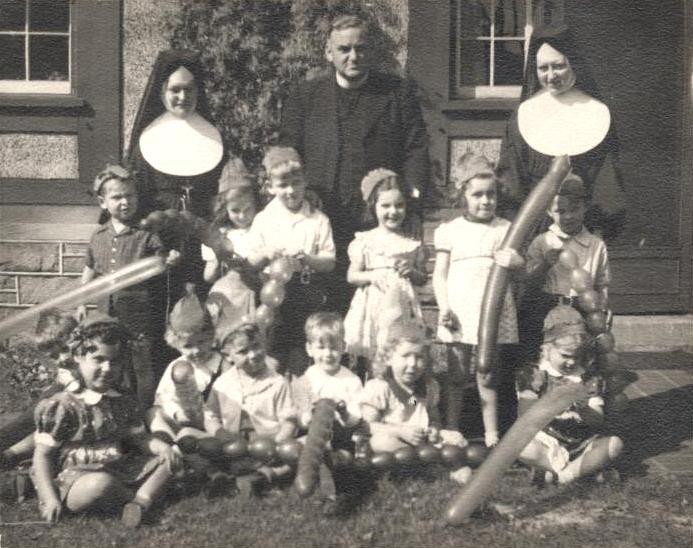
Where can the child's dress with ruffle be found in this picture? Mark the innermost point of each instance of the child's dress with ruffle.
(372, 310)
(89, 427)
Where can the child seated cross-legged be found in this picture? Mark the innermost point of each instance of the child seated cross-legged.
(178, 411)
(400, 404)
(84, 432)
(327, 378)
(573, 444)
(251, 400)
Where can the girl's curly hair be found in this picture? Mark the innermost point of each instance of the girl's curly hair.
(405, 332)
(83, 337)
(461, 178)
(245, 187)
(393, 182)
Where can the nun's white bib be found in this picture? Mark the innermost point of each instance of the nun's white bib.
(181, 146)
(570, 123)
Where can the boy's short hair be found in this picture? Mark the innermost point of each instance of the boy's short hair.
(110, 172)
(408, 331)
(249, 330)
(324, 326)
(572, 187)
(280, 161)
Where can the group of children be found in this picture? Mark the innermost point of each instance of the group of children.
(236, 377)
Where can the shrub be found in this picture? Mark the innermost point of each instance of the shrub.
(255, 50)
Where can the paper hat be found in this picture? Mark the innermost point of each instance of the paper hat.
(371, 180)
(111, 171)
(286, 158)
(572, 186)
(234, 175)
(188, 315)
(562, 321)
(96, 318)
(472, 165)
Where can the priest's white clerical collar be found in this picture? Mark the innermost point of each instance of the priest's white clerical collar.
(182, 146)
(348, 84)
(569, 123)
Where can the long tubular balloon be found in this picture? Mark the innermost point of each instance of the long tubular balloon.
(313, 454)
(497, 284)
(510, 447)
(105, 285)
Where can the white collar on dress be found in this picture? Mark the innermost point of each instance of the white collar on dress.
(92, 397)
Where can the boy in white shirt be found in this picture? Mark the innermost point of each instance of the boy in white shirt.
(290, 226)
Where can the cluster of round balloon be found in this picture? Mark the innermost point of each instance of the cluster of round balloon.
(266, 450)
(273, 291)
(593, 307)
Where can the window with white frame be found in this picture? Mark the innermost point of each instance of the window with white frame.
(491, 37)
(35, 46)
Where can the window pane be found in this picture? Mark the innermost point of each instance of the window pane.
(475, 19)
(474, 63)
(12, 14)
(12, 58)
(510, 18)
(49, 15)
(48, 58)
(509, 61)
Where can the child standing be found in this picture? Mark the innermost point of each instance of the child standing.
(466, 248)
(233, 294)
(385, 263)
(83, 431)
(401, 403)
(119, 242)
(190, 331)
(289, 226)
(548, 279)
(251, 400)
(571, 445)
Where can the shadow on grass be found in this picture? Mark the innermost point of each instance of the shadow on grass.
(654, 425)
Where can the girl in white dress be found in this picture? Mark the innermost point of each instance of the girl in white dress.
(466, 248)
(385, 263)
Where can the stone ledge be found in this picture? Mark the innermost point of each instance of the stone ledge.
(653, 333)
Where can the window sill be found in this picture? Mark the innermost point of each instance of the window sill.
(41, 100)
(487, 104)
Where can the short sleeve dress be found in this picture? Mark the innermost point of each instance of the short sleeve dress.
(372, 310)
(88, 428)
(471, 246)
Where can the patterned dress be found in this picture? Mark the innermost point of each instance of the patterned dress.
(373, 310)
(88, 428)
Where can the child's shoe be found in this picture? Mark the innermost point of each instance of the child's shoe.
(132, 515)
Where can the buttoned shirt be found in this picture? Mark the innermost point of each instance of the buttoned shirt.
(278, 229)
(265, 400)
(109, 251)
(589, 249)
(378, 395)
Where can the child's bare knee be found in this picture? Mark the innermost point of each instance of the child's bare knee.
(615, 447)
(385, 442)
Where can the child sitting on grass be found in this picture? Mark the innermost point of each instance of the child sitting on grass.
(327, 378)
(251, 400)
(572, 445)
(400, 404)
(83, 431)
(176, 412)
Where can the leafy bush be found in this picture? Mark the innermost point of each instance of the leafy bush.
(255, 50)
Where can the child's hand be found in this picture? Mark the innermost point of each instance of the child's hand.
(508, 258)
(171, 456)
(51, 509)
(413, 435)
(173, 258)
(403, 268)
(433, 434)
(379, 280)
(491, 439)
(449, 320)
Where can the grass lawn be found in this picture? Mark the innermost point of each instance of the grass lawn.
(646, 509)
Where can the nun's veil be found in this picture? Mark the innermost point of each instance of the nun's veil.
(560, 38)
(151, 106)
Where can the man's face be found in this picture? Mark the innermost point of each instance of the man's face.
(348, 50)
